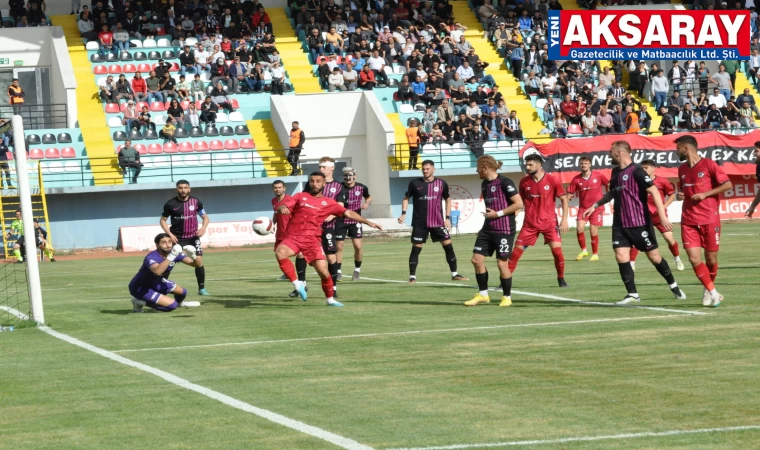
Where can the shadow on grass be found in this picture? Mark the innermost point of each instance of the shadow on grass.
(237, 302)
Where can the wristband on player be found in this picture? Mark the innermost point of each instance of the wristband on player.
(403, 213)
(448, 217)
(500, 213)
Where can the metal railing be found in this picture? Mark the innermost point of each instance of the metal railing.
(157, 168)
(40, 116)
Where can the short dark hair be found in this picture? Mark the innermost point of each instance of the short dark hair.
(276, 182)
(584, 158)
(649, 162)
(159, 237)
(534, 157)
(317, 174)
(688, 140)
(757, 144)
(183, 182)
(428, 162)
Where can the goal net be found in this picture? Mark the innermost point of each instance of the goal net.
(15, 307)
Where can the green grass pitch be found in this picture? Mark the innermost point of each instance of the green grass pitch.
(401, 366)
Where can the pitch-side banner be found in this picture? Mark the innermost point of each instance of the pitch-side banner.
(734, 153)
(649, 35)
(219, 234)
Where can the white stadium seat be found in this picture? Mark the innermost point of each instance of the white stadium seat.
(115, 122)
(237, 116)
(92, 45)
(149, 43)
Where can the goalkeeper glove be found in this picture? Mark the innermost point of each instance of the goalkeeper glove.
(189, 251)
(176, 251)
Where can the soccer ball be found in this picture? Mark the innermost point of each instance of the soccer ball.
(263, 226)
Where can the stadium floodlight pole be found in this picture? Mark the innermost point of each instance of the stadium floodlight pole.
(27, 217)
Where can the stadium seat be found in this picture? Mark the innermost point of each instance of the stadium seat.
(185, 104)
(125, 56)
(235, 105)
(141, 149)
(574, 129)
(64, 138)
(236, 116)
(113, 108)
(139, 105)
(247, 143)
(222, 118)
(129, 68)
(226, 131)
(114, 69)
(92, 45)
(163, 43)
(150, 134)
(157, 107)
(200, 146)
(191, 160)
(185, 147)
(143, 68)
(97, 58)
(216, 145)
(140, 56)
(100, 70)
(406, 109)
(168, 54)
(540, 103)
(191, 41)
(112, 58)
(170, 147)
(134, 135)
(68, 152)
(10, 155)
(149, 43)
(48, 139)
(56, 167)
(72, 166)
(222, 159)
(174, 67)
(159, 120)
(121, 136)
(135, 43)
(154, 55)
(211, 131)
(52, 153)
(36, 153)
(155, 149)
(231, 144)
(115, 122)
(181, 133)
(242, 130)
(198, 105)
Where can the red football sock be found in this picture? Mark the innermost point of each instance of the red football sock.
(634, 253)
(327, 287)
(559, 261)
(288, 268)
(516, 254)
(582, 240)
(703, 275)
(594, 245)
(674, 249)
(713, 268)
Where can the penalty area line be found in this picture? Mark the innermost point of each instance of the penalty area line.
(548, 296)
(401, 333)
(644, 434)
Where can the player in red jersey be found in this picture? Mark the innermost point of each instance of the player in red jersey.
(589, 187)
(756, 200)
(281, 222)
(667, 195)
(701, 181)
(308, 211)
(539, 191)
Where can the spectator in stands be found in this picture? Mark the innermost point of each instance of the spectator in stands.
(105, 40)
(86, 27)
(187, 62)
(459, 100)
(131, 116)
(604, 122)
(718, 99)
(277, 86)
(413, 139)
(153, 84)
(146, 120)
(334, 42)
(676, 75)
(237, 73)
(731, 115)
(139, 87)
(183, 89)
(639, 78)
(631, 120)
(168, 87)
(549, 85)
(220, 73)
(350, 77)
(428, 118)
(667, 123)
(201, 59)
(494, 126)
(512, 127)
(645, 119)
(405, 91)
(197, 90)
(335, 81)
(176, 112)
(123, 91)
(570, 110)
(502, 110)
(367, 78)
(120, 38)
(750, 99)
(660, 88)
(703, 75)
(108, 90)
(129, 157)
(192, 115)
(723, 80)
(550, 110)
(618, 118)
(475, 139)
(220, 97)
(316, 44)
(445, 111)
(607, 79)
(588, 122)
(377, 65)
(753, 66)
(731, 66)
(209, 109)
(516, 57)
(168, 131)
(686, 118)
(465, 72)
(560, 124)
(714, 117)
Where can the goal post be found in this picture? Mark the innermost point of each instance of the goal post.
(27, 216)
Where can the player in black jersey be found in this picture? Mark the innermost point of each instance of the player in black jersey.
(631, 223)
(357, 198)
(184, 211)
(334, 190)
(427, 194)
(498, 233)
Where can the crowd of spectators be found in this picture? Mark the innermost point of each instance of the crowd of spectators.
(21, 14)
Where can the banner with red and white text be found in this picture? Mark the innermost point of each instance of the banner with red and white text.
(218, 234)
(649, 34)
(561, 156)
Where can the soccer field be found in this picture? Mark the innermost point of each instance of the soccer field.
(400, 366)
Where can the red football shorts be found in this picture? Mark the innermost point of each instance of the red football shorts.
(311, 248)
(529, 235)
(704, 236)
(596, 218)
(277, 244)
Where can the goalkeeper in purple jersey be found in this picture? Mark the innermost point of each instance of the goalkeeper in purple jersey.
(151, 286)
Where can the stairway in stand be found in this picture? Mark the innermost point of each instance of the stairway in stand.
(10, 202)
(269, 148)
(514, 96)
(92, 119)
(295, 61)
(399, 160)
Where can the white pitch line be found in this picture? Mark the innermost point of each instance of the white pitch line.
(584, 438)
(399, 333)
(279, 419)
(551, 297)
(15, 312)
